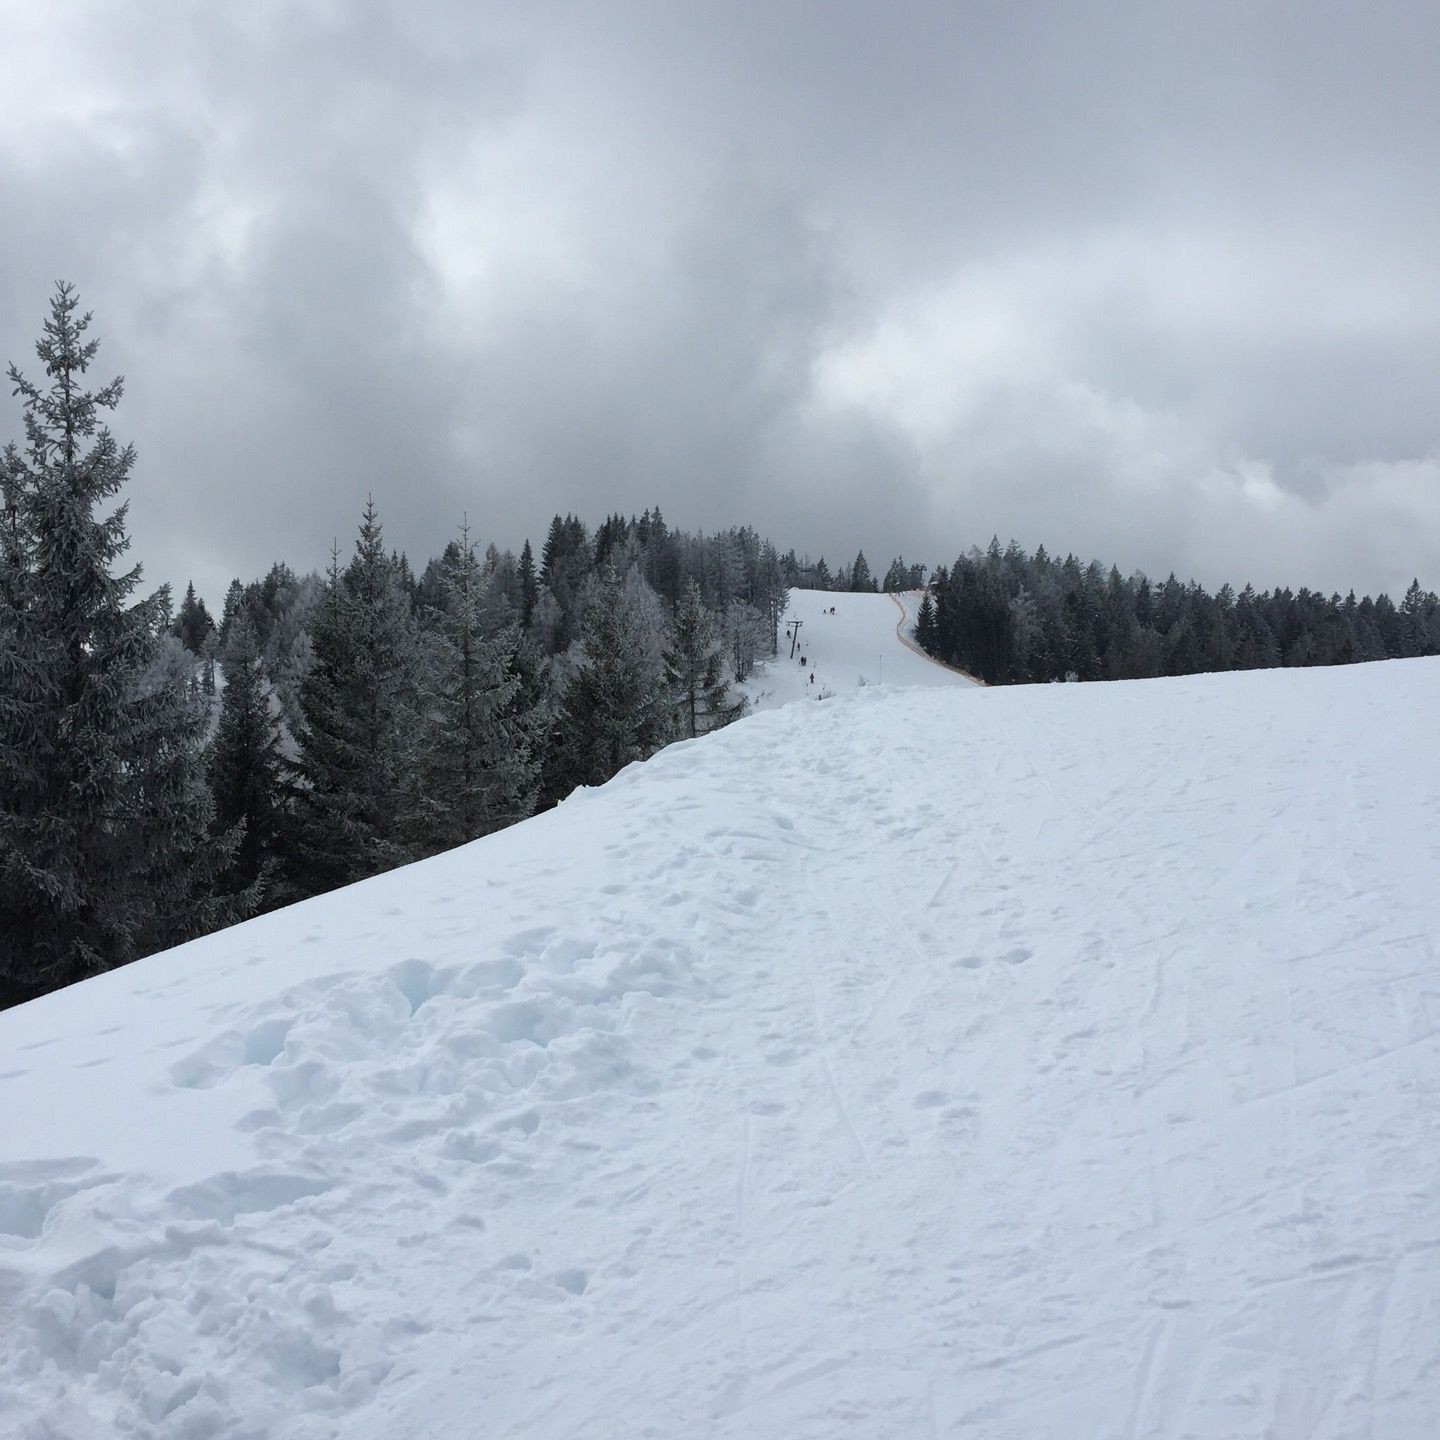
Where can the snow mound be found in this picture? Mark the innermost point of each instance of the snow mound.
(1023, 1063)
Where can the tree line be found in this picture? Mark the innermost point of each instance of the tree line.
(1010, 617)
(857, 577)
(163, 773)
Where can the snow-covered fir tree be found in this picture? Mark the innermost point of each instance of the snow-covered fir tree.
(925, 622)
(616, 708)
(745, 636)
(529, 585)
(248, 773)
(478, 760)
(774, 594)
(695, 668)
(193, 623)
(358, 720)
(860, 576)
(106, 844)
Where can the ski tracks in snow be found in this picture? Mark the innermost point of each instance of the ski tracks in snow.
(1025, 1064)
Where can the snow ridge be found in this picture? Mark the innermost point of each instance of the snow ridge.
(1013, 1062)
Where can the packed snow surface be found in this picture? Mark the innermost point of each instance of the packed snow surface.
(867, 641)
(1044, 1062)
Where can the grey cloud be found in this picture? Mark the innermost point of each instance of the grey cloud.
(857, 274)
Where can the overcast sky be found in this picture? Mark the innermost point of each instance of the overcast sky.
(1153, 282)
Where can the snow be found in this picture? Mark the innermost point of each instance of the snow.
(1041, 1062)
(865, 642)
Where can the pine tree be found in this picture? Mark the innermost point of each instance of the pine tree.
(774, 596)
(695, 669)
(479, 769)
(743, 630)
(248, 773)
(193, 624)
(1413, 615)
(106, 851)
(234, 606)
(357, 707)
(529, 585)
(860, 577)
(615, 710)
(925, 624)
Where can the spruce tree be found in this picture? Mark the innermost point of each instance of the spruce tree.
(478, 766)
(248, 772)
(357, 704)
(925, 624)
(106, 845)
(234, 606)
(743, 631)
(1414, 610)
(860, 577)
(529, 585)
(193, 624)
(774, 592)
(695, 670)
(615, 710)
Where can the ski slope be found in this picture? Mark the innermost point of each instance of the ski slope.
(1015, 1064)
(858, 646)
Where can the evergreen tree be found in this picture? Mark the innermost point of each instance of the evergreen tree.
(358, 713)
(1413, 614)
(695, 669)
(615, 709)
(860, 576)
(925, 623)
(743, 630)
(106, 851)
(247, 769)
(193, 624)
(529, 586)
(234, 606)
(774, 597)
(478, 764)
(289, 652)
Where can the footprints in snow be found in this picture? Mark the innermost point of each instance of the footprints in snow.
(236, 1049)
(960, 1112)
(575, 1281)
(345, 1018)
(31, 1190)
(493, 1063)
(224, 1197)
(1015, 955)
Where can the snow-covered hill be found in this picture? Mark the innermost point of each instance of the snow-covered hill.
(1023, 1063)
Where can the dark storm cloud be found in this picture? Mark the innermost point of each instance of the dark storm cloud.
(1151, 281)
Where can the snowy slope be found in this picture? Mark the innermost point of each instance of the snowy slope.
(858, 646)
(1024, 1063)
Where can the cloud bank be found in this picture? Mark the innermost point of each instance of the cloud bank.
(1151, 283)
